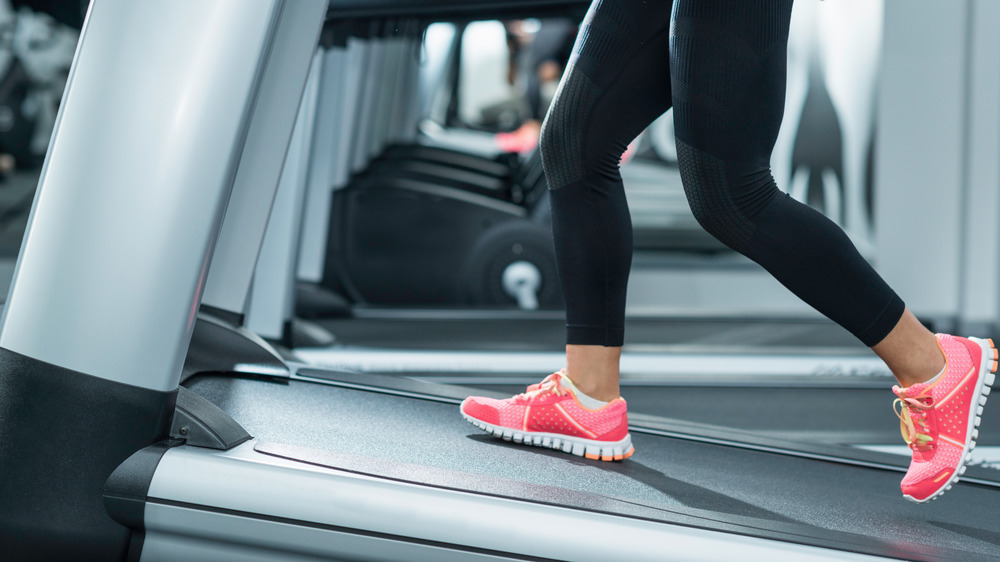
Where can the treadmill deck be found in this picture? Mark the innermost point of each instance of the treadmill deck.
(377, 431)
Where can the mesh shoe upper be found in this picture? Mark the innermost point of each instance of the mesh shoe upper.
(935, 418)
(549, 407)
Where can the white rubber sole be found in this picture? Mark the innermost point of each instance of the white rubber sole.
(987, 375)
(589, 448)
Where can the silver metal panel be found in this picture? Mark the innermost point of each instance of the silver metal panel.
(919, 156)
(272, 294)
(238, 539)
(134, 186)
(323, 160)
(403, 90)
(721, 286)
(639, 364)
(465, 140)
(382, 94)
(412, 110)
(340, 99)
(298, 501)
(397, 94)
(388, 87)
(981, 284)
(365, 128)
(170, 547)
(438, 50)
(228, 285)
(359, 54)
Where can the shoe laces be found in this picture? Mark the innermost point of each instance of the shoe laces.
(913, 422)
(549, 385)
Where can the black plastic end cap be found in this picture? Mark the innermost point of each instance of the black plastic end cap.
(203, 424)
(127, 488)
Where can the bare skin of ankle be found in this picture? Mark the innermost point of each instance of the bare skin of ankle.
(594, 370)
(911, 351)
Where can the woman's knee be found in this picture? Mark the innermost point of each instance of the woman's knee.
(587, 130)
(563, 136)
(724, 196)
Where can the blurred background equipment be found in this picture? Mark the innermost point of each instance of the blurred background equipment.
(37, 42)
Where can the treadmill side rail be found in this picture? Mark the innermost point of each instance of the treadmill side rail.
(229, 505)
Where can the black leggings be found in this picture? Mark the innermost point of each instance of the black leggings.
(721, 64)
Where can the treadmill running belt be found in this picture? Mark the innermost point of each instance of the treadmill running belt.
(825, 500)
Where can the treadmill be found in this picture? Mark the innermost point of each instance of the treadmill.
(106, 457)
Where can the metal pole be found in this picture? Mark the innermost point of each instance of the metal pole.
(112, 266)
(228, 287)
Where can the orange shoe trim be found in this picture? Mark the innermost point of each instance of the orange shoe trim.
(944, 475)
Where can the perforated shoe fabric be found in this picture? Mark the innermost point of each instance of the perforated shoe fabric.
(939, 418)
(549, 415)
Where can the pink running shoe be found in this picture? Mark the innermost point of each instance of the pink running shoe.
(549, 415)
(938, 419)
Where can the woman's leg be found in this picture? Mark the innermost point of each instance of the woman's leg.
(910, 351)
(727, 63)
(616, 83)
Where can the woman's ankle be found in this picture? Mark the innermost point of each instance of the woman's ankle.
(594, 370)
(911, 351)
